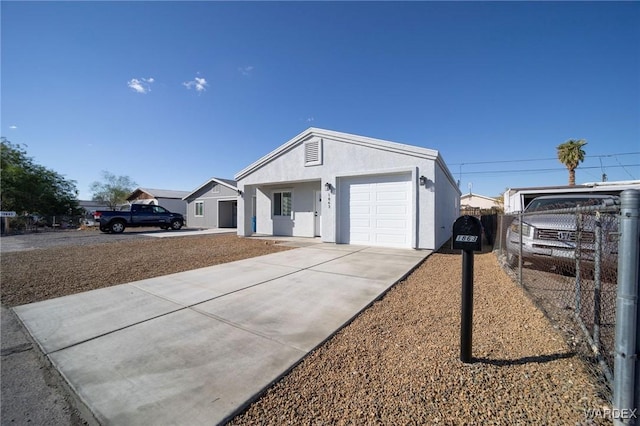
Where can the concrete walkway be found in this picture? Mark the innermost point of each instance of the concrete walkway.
(196, 347)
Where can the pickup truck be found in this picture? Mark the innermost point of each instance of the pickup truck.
(139, 215)
(549, 233)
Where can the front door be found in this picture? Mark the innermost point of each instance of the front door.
(318, 211)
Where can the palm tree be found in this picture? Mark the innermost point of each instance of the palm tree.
(571, 155)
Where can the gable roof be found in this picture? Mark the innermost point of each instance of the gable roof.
(470, 195)
(380, 144)
(157, 193)
(231, 184)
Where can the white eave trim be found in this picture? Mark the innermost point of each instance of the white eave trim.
(218, 181)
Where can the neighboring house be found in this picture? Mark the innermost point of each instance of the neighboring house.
(214, 204)
(516, 199)
(349, 189)
(476, 201)
(90, 206)
(169, 199)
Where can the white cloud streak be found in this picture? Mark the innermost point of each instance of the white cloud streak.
(140, 85)
(198, 83)
(13, 127)
(246, 70)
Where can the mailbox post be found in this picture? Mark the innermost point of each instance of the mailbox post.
(467, 236)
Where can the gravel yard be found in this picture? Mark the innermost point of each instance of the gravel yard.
(75, 263)
(396, 363)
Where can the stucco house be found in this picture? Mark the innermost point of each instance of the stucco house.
(351, 189)
(478, 201)
(214, 204)
(169, 199)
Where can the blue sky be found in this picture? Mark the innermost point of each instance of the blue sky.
(173, 93)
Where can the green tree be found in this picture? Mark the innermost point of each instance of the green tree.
(112, 190)
(29, 188)
(571, 155)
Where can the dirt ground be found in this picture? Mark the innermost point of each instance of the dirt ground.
(74, 266)
(396, 363)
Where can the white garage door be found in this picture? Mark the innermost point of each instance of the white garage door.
(376, 210)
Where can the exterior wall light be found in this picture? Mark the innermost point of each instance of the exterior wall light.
(423, 181)
(328, 186)
(240, 192)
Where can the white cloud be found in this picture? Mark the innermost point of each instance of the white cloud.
(13, 127)
(141, 85)
(310, 119)
(198, 83)
(246, 70)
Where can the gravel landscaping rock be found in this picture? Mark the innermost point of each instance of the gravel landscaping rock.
(40, 274)
(396, 363)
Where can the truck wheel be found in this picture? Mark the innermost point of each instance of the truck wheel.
(117, 227)
(176, 224)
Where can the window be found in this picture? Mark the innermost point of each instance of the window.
(313, 153)
(159, 210)
(282, 203)
(199, 208)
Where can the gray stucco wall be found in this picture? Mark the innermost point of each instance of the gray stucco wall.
(211, 195)
(301, 221)
(174, 205)
(447, 209)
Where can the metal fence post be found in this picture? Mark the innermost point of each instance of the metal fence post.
(597, 276)
(578, 254)
(626, 387)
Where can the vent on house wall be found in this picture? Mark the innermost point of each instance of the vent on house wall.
(313, 153)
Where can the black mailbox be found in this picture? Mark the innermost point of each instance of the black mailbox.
(467, 234)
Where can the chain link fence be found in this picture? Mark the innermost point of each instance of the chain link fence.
(566, 259)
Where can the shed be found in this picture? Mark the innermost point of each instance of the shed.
(167, 198)
(214, 204)
(350, 189)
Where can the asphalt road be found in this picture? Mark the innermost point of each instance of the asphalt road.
(32, 391)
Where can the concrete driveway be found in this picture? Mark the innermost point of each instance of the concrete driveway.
(196, 347)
